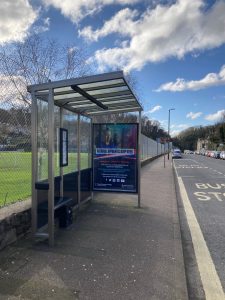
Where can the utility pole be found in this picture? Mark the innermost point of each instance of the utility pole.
(169, 132)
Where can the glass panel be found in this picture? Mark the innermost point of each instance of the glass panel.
(82, 105)
(42, 140)
(116, 97)
(70, 123)
(119, 101)
(67, 96)
(80, 102)
(85, 156)
(110, 90)
(56, 139)
(65, 89)
(85, 133)
(70, 177)
(42, 163)
(101, 83)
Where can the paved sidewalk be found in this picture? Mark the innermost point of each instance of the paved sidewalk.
(112, 251)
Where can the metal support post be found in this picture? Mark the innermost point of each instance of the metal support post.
(169, 133)
(78, 158)
(61, 168)
(51, 167)
(139, 160)
(34, 161)
(164, 155)
(157, 147)
(91, 160)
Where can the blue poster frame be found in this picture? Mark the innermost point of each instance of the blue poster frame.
(135, 173)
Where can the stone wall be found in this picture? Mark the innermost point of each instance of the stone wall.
(14, 225)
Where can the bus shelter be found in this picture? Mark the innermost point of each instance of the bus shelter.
(62, 143)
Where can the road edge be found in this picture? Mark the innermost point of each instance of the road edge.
(193, 280)
(181, 290)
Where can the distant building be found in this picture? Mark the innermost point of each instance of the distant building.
(202, 144)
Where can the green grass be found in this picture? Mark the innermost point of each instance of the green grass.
(15, 174)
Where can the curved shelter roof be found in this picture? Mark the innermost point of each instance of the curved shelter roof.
(91, 95)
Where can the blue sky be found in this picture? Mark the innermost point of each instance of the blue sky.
(175, 49)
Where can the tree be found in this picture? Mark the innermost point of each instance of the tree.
(36, 61)
(213, 134)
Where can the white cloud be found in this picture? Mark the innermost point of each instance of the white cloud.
(193, 116)
(76, 10)
(42, 28)
(180, 126)
(123, 20)
(219, 115)
(159, 33)
(174, 133)
(154, 109)
(211, 79)
(16, 20)
(176, 129)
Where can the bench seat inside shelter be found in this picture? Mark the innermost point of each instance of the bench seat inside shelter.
(70, 194)
(63, 211)
(62, 205)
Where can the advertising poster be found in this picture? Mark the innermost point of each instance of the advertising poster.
(115, 157)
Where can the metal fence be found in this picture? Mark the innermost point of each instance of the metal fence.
(15, 146)
(151, 148)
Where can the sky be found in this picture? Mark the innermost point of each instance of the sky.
(174, 49)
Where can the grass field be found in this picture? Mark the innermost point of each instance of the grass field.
(15, 174)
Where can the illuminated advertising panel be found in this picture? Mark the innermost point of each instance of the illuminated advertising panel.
(115, 157)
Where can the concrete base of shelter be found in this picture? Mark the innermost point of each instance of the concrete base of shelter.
(114, 250)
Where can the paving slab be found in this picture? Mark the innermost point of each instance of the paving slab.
(113, 250)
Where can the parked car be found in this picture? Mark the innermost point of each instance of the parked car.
(176, 153)
(212, 153)
(217, 154)
(188, 152)
(202, 152)
(208, 153)
(222, 154)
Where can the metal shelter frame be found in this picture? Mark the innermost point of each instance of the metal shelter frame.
(86, 96)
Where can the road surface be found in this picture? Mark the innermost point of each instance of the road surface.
(201, 183)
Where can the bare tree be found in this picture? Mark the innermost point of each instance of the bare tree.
(36, 61)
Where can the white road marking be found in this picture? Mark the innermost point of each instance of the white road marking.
(209, 277)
